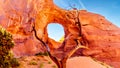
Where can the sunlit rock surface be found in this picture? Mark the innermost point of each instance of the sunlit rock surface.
(101, 36)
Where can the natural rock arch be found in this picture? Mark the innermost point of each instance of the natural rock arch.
(69, 25)
(55, 14)
(89, 25)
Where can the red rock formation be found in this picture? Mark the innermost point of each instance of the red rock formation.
(17, 18)
(103, 38)
(99, 35)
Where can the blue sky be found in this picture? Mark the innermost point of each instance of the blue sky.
(55, 31)
(110, 9)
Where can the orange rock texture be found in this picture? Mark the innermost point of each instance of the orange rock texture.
(98, 34)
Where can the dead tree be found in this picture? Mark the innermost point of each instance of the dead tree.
(60, 63)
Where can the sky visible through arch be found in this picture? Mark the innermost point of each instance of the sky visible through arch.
(110, 9)
(55, 31)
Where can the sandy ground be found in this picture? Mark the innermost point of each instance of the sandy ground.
(84, 62)
(45, 62)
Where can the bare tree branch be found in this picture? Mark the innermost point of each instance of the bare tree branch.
(48, 49)
(62, 62)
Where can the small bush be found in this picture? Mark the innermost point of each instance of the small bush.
(6, 56)
(41, 54)
(32, 63)
(49, 62)
(41, 65)
(14, 62)
(54, 66)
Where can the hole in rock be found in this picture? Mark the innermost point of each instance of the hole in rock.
(55, 32)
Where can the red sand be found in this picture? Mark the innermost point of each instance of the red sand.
(83, 62)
